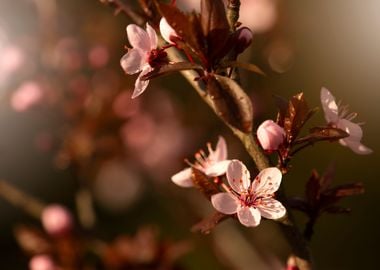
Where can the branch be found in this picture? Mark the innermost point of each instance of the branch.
(20, 199)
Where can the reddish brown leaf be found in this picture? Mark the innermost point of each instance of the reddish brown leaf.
(347, 190)
(204, 184)
(169, 69)
(187, 26)
(313, 188)
(232, 104)
(207, 224)
(31, 240)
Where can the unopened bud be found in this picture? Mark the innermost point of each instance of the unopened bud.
(291, 264)
(270, 135)
(42, 262)
(244, 39)
(167, 32)
(56, 220)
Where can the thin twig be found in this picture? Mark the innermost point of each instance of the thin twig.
(20, 199)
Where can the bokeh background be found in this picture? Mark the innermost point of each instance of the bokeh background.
(67, 124)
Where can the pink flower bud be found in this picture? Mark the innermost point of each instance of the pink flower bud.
(244, 39)
(42, 262)
(167, 32)
(270, 135)
(56, 220)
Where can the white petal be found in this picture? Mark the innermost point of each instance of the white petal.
(249, 216)
(329, 105)
(166, 30)
(132, 61)
(355, 131)
(271, 208)
(138, 38)
(238, 176)
(220, 152)
(225, 203)
(152, 36)
(218, 168)
(141, 85)
(356, 146)
(267, 181)
(183, 178)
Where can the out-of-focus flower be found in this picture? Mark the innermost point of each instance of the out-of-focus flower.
(215, 164)
(28, 94)
(143, 57)
(250, 200)
(42, 262)
(123, 107)
(167, 32)
(270, 135)
(339, 117)
(117, 186)
(67, 55)
(98, 56)
(56, 220)
(11, 59)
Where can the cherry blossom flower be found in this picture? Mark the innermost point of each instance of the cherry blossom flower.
(250, 201)
(339, 117)
(215, 164)
(144, 55)
(270, 135)
(167, 32)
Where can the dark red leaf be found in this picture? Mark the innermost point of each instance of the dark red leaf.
(232, 104)
(207, 224)
(169, 69)
(313, 188)
(204, 184)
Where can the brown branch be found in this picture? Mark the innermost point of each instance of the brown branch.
(291, 232)
(20, 199)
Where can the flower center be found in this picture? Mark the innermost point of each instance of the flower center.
(157, 58)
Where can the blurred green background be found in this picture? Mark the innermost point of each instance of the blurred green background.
(334, 44)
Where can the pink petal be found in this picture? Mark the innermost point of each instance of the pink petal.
(225, 203)
(183, 178)
(355, 131)
(152, 36)
(271, 208)
(218, 168)
(132, 61)
(329, 105)
(238, 176)
(267, 181)
(356, 146)
(138, 38)
(249, 216)
(220, 152)
(141, 85)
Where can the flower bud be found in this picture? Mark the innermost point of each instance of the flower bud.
(244, 39)
(167, 32)
(270, 135)
(42, 262)
(56, 220)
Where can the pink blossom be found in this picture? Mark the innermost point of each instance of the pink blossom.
(98, 56)
(142, 57)
(338, 116)
(270, 135)
(167, 32)
(250, 201)
(42, 262)
(27, 95)
(215, 164)
(56, 220)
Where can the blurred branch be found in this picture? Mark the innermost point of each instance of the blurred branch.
(127, 9)
(21, 200)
